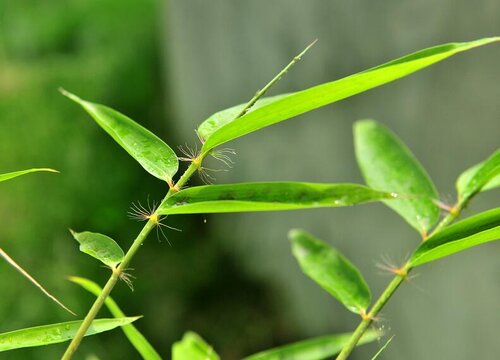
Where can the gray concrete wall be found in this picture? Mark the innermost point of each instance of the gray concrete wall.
(220, 52)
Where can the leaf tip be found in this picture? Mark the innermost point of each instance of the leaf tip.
(70, 96)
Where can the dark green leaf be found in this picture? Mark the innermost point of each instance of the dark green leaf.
(193, 347)
(313, 349)
(473, 231)
(481, 177)
(150, 151)
(331, 270)
(220, 128)
(139, 342)
(11, 175)
(267, 196)
(56, 333)
(387, 164)
(99, 246)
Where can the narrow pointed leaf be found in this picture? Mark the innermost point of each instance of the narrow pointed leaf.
(267, 196)
(99, 246)
(331, 270)
(31, 279)
(473, 231)
(138, 340)
(11, 175)
(313, 349)
(193, 347)
(220, 128)
(387, 164)
(56, 333)
(383, 348)
(481, 177)
(146, 148)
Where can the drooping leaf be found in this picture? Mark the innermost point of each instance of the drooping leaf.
(331, 270)
(99, 246)
(481, 177)
(193, 347)
(149, 150)
(388, 165)
(11, 175)
(473, 231)
(220, 128)
(31, 279)
(56, 333)
(267, 196)
(139, 342)
(313, 349)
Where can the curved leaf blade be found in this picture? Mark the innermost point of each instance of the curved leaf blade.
(193, 347)
(138, 340)
(473, 231)
(313, 349)
(56, 333)
(12, 175)
(331, 270)
(480, 177)
(387, 164)
(100, 247)
(154, 155)
(267, 196)
(288, 106)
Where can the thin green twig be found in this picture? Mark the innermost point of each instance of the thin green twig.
(262, 91)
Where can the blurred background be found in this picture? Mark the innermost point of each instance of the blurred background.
(232, 278)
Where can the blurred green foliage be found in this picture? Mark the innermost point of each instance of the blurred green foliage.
(107, 51)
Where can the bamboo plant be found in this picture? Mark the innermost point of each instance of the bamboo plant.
(392, 174)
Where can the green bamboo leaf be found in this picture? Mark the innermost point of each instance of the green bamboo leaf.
(193, 347)
(139, 342)
(99, 246)
(11, 175)
(56, 333)
(313, 349)
(473, 231)
(387, 164)
(220, 129)
(331, 270)
(150, 151)
(481, 177)
(267, 196)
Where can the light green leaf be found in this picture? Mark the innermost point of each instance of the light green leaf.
(139, 342)
(388, 165)
(331, 270)
(221, 128)
(11, 175)
(149, 150)
(56, 333)
(99, 246)
(267, 196)
(473, 231)
(313, 349)
(481, 177)
(221, 118)
(193, 347)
